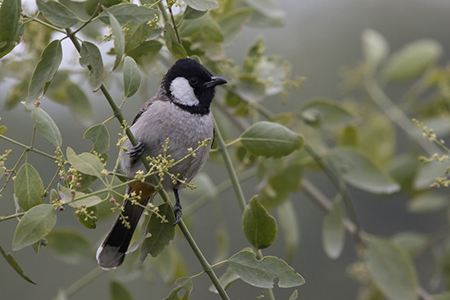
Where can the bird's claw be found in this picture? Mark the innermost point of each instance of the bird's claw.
(137, 150)
(177, 211)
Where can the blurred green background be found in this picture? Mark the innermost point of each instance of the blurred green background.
(320, 38)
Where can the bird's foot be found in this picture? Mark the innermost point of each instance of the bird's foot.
(137, 150)
(177, 211)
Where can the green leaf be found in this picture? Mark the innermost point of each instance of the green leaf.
(392, 270)
(294, 295)
(148, 50)
(202, 5)
(260, 228)
(131, 77)
(427, 174)
(9, 23)
(326, 113)
(231, 23)
(162, 232)
(99, 136)
(404, 169)
(171, 42)
(45, 70)
(378, 140)
(79, 199)
(117, 291)
(4, 50)
(91, 222)
(190, 13)
(34, 225)
(129, 13)
(412, 243)
(57, 13)
(227, 279)
(136, 34)
(261, 273)
(375, 48)
(13, 263)
(90, 6)
(211, 30)
(79, 104)
(271, 140)
(250, 88)
(333, 231)
(85, 163)
(182, 283)
(287, 219)
(69, 246)
(119, 40)
(359, 171)
(28, 187)
(45, 125)
(412, 60)
(90, 56)
(427, 203)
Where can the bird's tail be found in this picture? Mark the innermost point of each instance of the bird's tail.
(111, 252)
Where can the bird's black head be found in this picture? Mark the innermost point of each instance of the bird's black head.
(191, 86)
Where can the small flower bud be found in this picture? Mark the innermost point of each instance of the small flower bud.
(112, 200)
(37, 103)
(72, 192)
(78, 184)
(70, 177)
(61, 208)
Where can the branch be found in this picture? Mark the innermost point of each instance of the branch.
(118, 114)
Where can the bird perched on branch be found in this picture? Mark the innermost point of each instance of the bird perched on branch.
(180, 114)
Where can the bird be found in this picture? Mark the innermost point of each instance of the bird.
(180, 114)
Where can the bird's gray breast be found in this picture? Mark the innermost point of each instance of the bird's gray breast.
(163, 120)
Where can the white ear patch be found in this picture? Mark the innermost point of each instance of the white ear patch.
(182, 92)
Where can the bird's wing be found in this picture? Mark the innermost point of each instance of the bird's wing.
(144, 108)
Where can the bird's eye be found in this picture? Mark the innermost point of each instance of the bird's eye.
(193, 80)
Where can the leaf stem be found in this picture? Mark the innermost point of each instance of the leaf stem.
(80, 283)
(174, 26)
(11, 216)
(229, 165)
(27, 148)
(395, 114)
(118, 114)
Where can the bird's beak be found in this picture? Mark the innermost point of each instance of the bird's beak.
(214, 81)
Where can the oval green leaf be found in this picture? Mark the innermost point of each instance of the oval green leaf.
(427, 203)
(57, 13)
(375, 47)
(202, 5)
(261, 273)
(85, 163)
(45, 71)
(359, 171)
(35, 225)
(119, 40)
(99, 136)
(91, 57)
(271, 140)
(250, 88)
(79, 104)
(181, 283)
(45, 125)
(9, 22)
(260, 228)
(392, 270)
(69, 246)
(326, 113)
(13, 263)
(333, 231)
(412, 60)
(161, 232)
(131, 77)
(171, 42)
(28, 187)
(289, 227)
(129, 13)
(411, 242)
